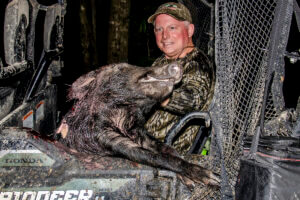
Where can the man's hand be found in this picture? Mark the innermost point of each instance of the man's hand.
(165, 102)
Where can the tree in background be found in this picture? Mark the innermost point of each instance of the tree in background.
(88, 35)
(117, 50)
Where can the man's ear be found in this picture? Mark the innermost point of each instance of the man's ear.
(191, 29)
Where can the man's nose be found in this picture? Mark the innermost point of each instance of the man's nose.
(165, 34)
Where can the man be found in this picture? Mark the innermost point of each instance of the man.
(173, 29)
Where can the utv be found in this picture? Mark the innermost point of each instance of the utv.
(247, 40)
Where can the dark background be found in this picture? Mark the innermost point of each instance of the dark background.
(142, 49)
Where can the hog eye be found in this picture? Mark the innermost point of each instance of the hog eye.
(145, 75)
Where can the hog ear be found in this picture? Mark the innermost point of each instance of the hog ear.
(81, 86)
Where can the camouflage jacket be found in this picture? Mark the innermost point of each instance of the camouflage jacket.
(193, 93)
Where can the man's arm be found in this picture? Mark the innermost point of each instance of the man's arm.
(194, 91)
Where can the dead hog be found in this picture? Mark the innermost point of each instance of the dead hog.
(109, 115)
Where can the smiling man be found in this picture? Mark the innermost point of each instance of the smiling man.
(173, 29)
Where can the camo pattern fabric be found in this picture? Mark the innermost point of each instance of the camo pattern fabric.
(194, 93)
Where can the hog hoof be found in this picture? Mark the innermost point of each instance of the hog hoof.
(187, 182)
(213, 179)
(202, 175)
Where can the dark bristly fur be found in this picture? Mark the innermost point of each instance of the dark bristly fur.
(109, 115)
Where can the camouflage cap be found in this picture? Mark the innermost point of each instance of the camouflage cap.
(176, 10)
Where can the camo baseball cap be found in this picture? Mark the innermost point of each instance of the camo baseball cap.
(176, 10)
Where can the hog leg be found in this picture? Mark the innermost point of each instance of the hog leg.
(154, 145)
(121, 145)
(147, 141)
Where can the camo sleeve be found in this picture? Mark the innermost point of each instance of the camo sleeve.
(194, 91)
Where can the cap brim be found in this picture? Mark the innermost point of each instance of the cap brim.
(152, 17)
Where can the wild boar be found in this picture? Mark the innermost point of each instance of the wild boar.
(109, 115)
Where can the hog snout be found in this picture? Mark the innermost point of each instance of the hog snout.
(168, 75)
(174, 70)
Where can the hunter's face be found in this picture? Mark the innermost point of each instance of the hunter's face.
(172, 36)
